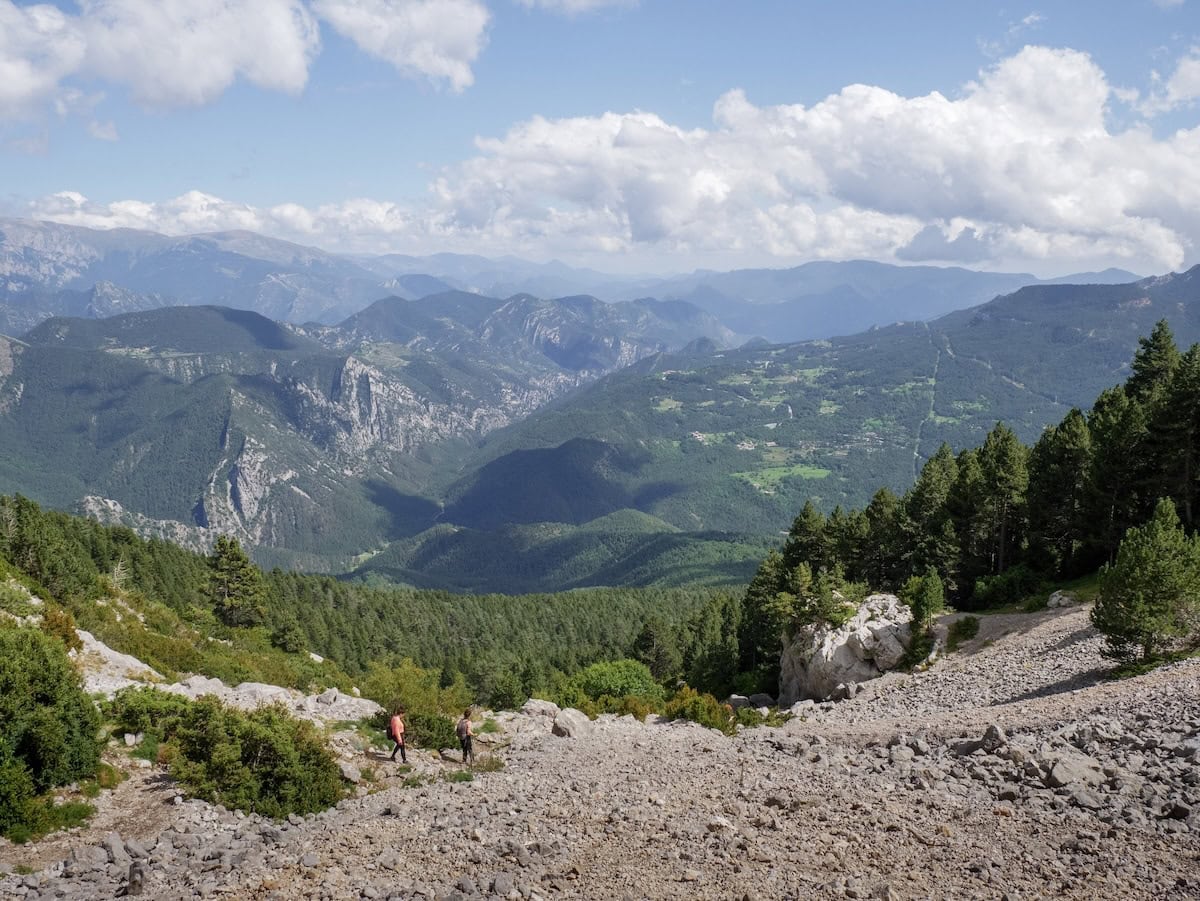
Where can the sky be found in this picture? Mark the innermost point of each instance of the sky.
(652, 136)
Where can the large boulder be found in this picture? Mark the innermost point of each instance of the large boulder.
(819, 658)
(571, 723)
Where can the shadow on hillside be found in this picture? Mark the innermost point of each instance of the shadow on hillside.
(1072, 683)
(995, 627)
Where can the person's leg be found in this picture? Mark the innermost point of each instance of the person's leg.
(403, 756)
(398, 747)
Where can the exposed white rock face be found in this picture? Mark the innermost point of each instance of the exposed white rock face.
(820, 658)
(106, 670)
(1062, 599)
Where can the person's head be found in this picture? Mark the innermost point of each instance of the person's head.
(467, 714)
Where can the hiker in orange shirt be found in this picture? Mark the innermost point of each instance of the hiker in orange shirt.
(396, 734)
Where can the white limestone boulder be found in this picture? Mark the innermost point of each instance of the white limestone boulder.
(819, 658)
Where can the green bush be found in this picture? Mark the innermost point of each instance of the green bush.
(1007, 588)
(59, 623)
(263, 762)
(618, 679)
(141, 709)
(962, 630)
(689, 704)
(430, 730)
(1147, 606)
(16, 791)
(15, 599)
(49, 724)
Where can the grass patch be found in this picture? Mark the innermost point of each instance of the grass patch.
(489, 725)
(414, 781)
(1141, 667)
(961, 631)
(147, 748)
(45, 817)
(460, 776)
(489, 763)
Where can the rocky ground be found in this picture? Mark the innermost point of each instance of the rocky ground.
(1009, 769)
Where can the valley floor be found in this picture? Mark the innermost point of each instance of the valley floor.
(1010, 769)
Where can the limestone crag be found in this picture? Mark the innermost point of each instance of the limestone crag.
(819, 657)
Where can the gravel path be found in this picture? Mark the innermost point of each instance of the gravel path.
(1006, 771)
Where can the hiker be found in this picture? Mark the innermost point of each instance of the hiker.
(463, 729)
(396, 734)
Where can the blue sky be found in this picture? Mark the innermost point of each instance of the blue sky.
(658, 135)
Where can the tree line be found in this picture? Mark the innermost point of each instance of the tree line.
(994, 521)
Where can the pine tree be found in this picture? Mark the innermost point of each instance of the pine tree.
(1059, 472)
(926, 597)
(1004, 462)
(236, 587)
(808, 541)
(657, 647)
(929, 530)
(968, 513)
(1153, 364)
(1173, 439)
(882, 553)
(1118, 428)
(1148, 597)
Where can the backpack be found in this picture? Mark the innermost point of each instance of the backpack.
(391, 734)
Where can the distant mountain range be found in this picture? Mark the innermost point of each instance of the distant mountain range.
(523, 444)
(47, 269)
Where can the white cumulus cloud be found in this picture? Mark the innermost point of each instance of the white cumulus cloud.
(439, 39)
(172, 53)
(188, 52)
(574, 7)
(1180, 89)
(39, 46)
(1020, 169)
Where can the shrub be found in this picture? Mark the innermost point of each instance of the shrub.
(507, 692)
(689, 704)
(59, 623)
(618, 679)
(926, 597)
(262, 762)
(962, 630)
(50, 725)
(16, 791)
(156, 713)
(15, 599)
(1007, 588)
(430, 730)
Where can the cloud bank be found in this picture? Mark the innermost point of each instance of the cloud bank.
(172, 53)
(1020, 170)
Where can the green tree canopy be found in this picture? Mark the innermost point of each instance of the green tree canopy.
(1150, 597)
(236, 586)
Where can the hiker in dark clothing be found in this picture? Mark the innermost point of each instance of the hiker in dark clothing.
(464, 731)
(396, 734)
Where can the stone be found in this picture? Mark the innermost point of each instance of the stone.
(350, 772)
(310, 860)
(571, 723)
(1071, 768)
(761, 700)
(502, 884)
(820, 657)
(329, 696)
(1061, 599)
(737, 702)
(539, 707)
(132, 739)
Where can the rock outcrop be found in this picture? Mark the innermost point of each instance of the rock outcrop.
(820, 658)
